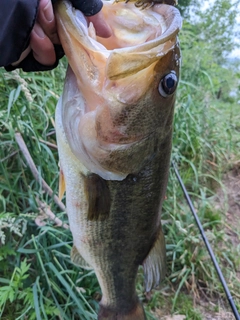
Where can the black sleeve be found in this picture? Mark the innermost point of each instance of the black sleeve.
(88, 7)
(17, 18)
(31, 64)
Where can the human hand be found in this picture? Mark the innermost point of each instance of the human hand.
(43, 36)
(101, 27)
(92, 11)
(44, 48)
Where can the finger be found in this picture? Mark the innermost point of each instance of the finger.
(47, 21)
(102, 28)
(42, 47)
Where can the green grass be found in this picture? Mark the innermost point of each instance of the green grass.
(37, 278)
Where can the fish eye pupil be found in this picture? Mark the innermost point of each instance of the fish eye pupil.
(168, 84)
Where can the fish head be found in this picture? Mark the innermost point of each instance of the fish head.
(119, 91)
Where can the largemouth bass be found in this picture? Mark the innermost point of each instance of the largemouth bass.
(114, 130)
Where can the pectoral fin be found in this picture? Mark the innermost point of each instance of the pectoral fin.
(78, 259)
(98, 196)
(154, 265)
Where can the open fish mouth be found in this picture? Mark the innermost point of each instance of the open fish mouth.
(135, 34)
(111, 81)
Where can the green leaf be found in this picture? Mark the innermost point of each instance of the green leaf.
(36, 300)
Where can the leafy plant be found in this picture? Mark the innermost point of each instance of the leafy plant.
(16, 291)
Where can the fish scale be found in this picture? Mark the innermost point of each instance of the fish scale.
(114, 135)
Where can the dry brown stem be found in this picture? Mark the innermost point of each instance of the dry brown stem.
(45, 212)
(35, 172)
(49, 144)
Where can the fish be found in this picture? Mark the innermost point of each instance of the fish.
(114, 124)
(148, 3)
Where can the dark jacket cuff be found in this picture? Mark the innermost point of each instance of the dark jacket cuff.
(31, 64)
(88, 7)
(16, 22)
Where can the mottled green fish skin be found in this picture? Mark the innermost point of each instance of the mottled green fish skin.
(146, 3)
(116, 224)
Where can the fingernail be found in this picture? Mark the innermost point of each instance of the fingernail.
(39, 31)
(48, 12)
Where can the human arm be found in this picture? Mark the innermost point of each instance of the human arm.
(28, 37)
(29, 40)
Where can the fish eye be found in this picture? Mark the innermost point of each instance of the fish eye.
(168, 84)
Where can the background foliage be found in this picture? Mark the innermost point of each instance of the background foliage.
(37, 278)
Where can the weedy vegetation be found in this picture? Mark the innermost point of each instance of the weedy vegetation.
(37, 277)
